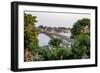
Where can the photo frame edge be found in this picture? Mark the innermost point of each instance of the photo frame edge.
(14, 36)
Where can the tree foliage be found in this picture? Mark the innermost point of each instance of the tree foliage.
(80, 27)
(30, 33)
(55, 42)
(81, 46)
(81, 35)
(54, 53)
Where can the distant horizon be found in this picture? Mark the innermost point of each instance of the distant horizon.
(57, 19)
(54, 27)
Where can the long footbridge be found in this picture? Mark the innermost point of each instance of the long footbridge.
(52, 34)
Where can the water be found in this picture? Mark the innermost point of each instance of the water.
(44, 39)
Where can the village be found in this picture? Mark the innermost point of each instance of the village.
(55, 29)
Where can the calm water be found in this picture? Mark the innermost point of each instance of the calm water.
(44, 39)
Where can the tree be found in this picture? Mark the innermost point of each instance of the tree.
(55, 42)
(81, 26)
(81, 46)
(30, 32)
(81, 35)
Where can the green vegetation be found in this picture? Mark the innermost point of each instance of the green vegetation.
(55, 42)
(30, 37)
(81, 46)
(79, 49)
(54, 53)
(81, 36)
(30, 33)
(80, 27)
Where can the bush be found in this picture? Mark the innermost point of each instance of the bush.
(55, 42)
(54, 53)
(81, 46)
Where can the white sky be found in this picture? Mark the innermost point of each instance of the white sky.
(57, 19)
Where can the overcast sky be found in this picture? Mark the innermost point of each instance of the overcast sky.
(57, 19)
